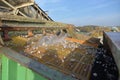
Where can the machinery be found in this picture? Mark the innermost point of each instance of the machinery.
(37, 48)
(26, 20)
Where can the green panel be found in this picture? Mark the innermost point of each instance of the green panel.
(34, 76)
(12, 70)
(0, 67)
(29, 75)
(5, 68)
(21, 72)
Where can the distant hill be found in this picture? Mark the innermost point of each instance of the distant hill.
(94, 31)
(118, 27)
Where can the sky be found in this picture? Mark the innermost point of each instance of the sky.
(83, 12)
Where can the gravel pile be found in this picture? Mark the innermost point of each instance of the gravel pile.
(104, 67)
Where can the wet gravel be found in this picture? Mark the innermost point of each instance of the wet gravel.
(104, 67)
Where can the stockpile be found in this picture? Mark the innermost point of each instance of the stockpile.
(104, 67)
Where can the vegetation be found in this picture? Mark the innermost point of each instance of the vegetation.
(86, 28)
(118, 27)
(94, 31)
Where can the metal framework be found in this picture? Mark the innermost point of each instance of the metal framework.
(26, 8)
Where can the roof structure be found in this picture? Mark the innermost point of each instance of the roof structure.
(26, 8)
(7, 20)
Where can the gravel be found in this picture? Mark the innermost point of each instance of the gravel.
(104, 67)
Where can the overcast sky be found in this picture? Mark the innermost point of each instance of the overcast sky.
(83, 12)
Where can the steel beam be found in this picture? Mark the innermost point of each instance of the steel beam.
(42, 12)
(13, 7)
(24, 5)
